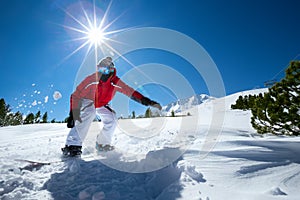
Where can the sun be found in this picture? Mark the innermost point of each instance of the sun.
(95, 36)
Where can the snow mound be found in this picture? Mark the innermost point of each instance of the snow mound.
(277, 191)
(190, 173)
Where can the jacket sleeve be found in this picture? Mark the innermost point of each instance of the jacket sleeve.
(74, 101)
(122, 87)
(86, 89)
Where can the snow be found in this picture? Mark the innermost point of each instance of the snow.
(158, 158)
(57, 95)
(182, 105)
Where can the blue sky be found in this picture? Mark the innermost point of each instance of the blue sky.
(249, 41)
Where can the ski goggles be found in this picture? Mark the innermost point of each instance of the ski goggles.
(106, 69)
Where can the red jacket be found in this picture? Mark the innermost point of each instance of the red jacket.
(101, 92)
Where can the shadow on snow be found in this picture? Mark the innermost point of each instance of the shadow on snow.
(95, 180)
(273, 153)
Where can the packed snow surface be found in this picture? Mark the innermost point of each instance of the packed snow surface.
(212, 154)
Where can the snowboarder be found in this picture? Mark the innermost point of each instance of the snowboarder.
(91, 98)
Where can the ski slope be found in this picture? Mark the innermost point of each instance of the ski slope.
(213, 154)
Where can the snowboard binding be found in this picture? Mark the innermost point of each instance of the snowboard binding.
(105, 148)
(71, 150)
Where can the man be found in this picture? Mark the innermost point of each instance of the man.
(91, 98)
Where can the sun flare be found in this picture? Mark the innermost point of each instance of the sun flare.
(90, 29)
(95, 36)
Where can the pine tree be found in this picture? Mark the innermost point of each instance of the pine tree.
(245, 103)
(4, 111)
(9, 119)
(67, 118)
(45, 117)
(148, 113)
(29, 119)
(37, 117)
(239, 104)
(251, 101)
(278, 111)
(173, 113)
(16, 119)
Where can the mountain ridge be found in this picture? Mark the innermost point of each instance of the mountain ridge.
(182, 105)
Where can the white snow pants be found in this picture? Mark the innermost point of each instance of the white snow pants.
(87, 114)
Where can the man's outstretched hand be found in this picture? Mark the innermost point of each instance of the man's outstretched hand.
(156, 105)
(148, 102)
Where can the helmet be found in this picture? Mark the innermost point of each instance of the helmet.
(106, 66)
(105, 62)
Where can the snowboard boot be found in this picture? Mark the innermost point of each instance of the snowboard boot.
(102, 147)
(71, 150)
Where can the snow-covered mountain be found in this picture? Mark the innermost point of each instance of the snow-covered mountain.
(155, 158)
(182, 105)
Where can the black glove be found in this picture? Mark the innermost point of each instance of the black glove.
(148, 102)
(73, 116)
